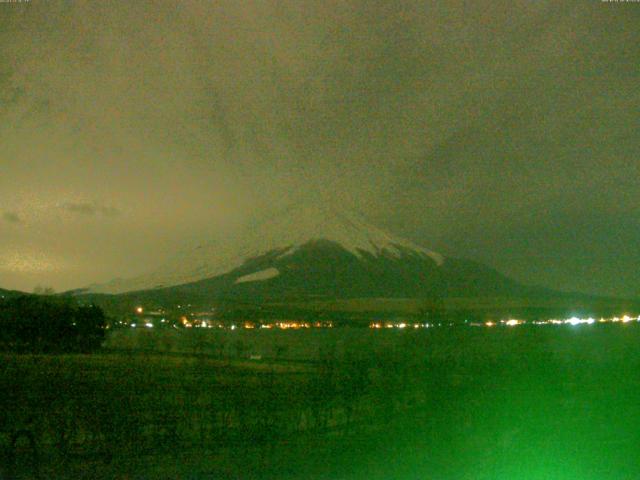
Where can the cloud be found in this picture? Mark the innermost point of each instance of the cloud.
(449, 123)
(11, 217)
(91, 209)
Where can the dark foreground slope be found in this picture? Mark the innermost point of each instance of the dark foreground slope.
(7, 294)
(524, 403)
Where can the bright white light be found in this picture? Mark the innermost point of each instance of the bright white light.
(402, 325)
(233, 327)
(512, 322)
(133, 325)
(139, 310)
(579, 321)
(148, 325)
(626, 319)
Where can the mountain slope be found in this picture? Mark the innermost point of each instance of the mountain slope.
(310, 253)
(323, 269)
(316, 259)
(287, 234)
(5, 294)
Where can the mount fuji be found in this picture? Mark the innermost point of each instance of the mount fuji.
(313, 252)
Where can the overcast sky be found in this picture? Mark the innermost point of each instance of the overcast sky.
(505, 132)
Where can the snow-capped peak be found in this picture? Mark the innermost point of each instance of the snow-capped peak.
(288, 231)
(302, 224)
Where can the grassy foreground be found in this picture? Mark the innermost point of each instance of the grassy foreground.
(460, 403)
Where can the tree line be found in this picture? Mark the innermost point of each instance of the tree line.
(50, 324)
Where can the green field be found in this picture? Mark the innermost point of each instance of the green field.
(453, 403)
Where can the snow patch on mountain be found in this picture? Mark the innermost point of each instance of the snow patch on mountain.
(265, 274)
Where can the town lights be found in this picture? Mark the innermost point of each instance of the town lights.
(578, 321)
